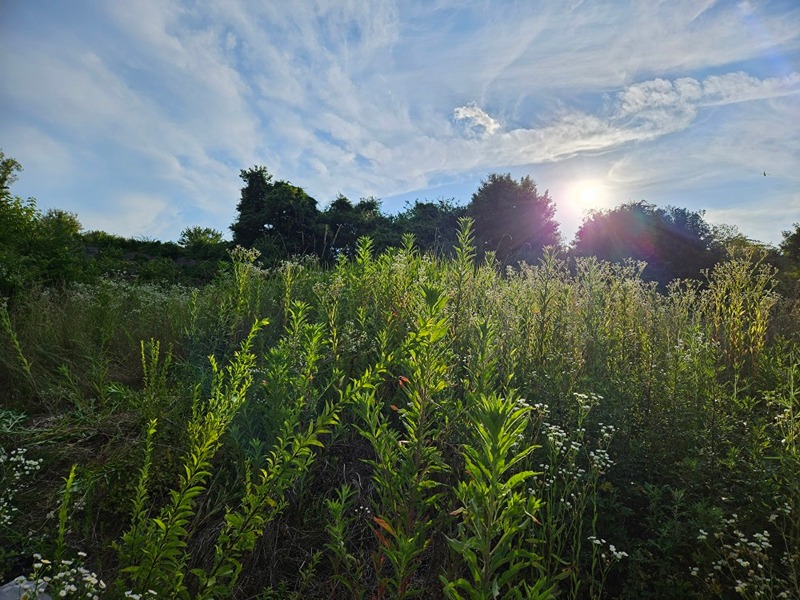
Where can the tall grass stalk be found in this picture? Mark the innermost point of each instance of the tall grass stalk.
(22, 361)
(408, 460)
(154, 551)
(261, 502)
(63, 515)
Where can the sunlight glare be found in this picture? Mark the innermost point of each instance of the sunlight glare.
(588, 196)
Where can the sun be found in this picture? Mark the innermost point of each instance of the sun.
(588, 195)
(582, 197)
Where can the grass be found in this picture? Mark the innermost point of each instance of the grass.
(405, 426)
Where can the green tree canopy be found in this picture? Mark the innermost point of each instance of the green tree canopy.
(345, 222)
(790, 245)
(512, 218)
(35, 247)
(199, 236)
(789, 263)
(434, 224)
(278, 218)
(203, 243)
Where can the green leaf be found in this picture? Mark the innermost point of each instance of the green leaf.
(520, 477)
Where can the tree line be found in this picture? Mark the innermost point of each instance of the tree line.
(513, 222)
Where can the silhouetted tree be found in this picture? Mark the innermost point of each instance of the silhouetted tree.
(278, 218)
(512, 218)
(789, 261)
(251, 223)
(790, 246)
(675, 242)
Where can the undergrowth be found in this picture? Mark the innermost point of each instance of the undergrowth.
(403, 425)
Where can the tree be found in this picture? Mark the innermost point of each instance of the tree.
(9, 167)
(434, 224)
(199, 236)
(790, 245)
(278, 218)
(342, 228)
(35, 247)
(676, 243)
(789, 263)
(202, 243)
(19, 222)
(344, 223)
(251, 222)
(513, 219)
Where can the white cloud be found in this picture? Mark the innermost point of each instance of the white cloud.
(133, 215)
(476, 120)
(642, 112)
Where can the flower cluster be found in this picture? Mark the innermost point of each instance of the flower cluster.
(66, 579)
(15, 470)
(611, 552)
(744, 561)
(586, 401)
(607, 433)
(600, 460)
(134, 596)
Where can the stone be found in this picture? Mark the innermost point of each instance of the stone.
(16, 591)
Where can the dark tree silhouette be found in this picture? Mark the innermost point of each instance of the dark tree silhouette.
(512, 218)
(788, 262)
(278, 218)
(251, 223)
(790, 245)
(675, 242)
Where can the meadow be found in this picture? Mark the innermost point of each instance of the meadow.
(403, 425)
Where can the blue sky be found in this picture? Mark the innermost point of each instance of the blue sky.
(139, 115)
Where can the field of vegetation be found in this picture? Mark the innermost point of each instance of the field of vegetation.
(402, 425)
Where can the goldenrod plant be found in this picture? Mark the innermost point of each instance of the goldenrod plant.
(154, 551)
(497, 516)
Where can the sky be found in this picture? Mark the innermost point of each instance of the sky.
(138, 116)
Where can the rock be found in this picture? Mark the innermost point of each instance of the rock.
(16, 591)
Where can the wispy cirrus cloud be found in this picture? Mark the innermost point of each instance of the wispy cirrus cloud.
(641, 112)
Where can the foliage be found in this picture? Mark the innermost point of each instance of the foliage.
(203, 243)
(433, 224)
(790, 245)
(676, 243)
(512, 219)
(251, 221)
(344, 223)
(496, 512)
(35, 248)
(153, 552)
(409, 425)
(278, 218)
